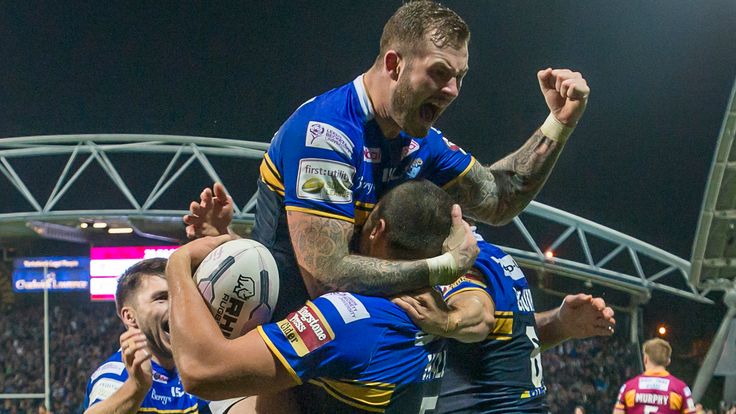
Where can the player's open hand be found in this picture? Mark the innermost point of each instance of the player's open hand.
(211, 215)
(566, 93)
(461, 244)
(137, 358)
(583, 316)
(427, 309)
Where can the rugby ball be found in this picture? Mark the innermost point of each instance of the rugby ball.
(239, 281)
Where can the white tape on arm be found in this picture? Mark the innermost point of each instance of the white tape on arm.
(442, 269)
(555, 130)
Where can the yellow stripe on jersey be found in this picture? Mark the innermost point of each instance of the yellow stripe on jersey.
(630, 398)
(364, 205)
(362, 211)
(320, 213)
(280, 357)
(191, 410)
(369, 396)
(461, 175)
(467, 289)
(504, 326)
(267, 159)
(675, 401)
(270, 177)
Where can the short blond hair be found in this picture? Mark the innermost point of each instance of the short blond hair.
(658, 350)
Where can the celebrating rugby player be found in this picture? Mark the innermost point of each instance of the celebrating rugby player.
(335, 157)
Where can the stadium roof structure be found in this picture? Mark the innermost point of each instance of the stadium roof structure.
(714, 248)
(147, 182)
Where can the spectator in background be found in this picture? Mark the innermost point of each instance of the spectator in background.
(655, 388)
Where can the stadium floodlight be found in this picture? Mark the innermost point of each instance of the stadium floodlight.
(58, 232)
(119, 230)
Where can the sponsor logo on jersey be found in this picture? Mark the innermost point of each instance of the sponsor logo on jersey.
(390, 174)
(112, 367)
(424, 339)
(364, 185)
(163, 399)
(510, 268)
(452, 146)
(524, 299)
(435, 367)
(159, 377)
(649, 383)
(414, 168)
(646, 398)
(326, 136)
(348, 306)
(103, 389)
(372, 155)
(325, 180)
(409, 149)
(306, 329)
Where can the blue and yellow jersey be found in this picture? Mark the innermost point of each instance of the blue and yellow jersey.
(363, 352)
(165, 396)
(331, 159)
(502, 374)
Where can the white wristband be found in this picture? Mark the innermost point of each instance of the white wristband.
(555, 130)
(442, 269)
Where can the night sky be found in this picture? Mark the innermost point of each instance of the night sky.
(660, 74)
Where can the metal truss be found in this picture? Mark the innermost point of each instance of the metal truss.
(84, 150)
(182, 152)
(618, 266)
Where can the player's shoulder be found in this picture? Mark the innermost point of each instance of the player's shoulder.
(337, 108)
(113, 367)
(679, 384)
(106, 379)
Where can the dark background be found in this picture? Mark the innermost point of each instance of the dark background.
(660, 74)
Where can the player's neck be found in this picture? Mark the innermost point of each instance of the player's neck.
(652, 368)
(167, 363)
(377, 87)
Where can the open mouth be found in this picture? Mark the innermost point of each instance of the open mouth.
(428, 112)
(165, 327)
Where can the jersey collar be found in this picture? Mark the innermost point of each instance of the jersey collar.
(365, 101)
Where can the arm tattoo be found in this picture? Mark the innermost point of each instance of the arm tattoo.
(321, 249)
(497, 193)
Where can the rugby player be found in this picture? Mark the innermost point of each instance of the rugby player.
(363, 352)
(141, 376)
(503, 373)
(335, 157)
(655, 390)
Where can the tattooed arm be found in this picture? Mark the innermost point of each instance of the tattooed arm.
(321, 250)
(496, 194)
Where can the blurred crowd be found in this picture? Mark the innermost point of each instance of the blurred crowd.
(588, 373)
(82, 334)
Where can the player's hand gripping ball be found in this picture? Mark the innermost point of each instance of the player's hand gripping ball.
(239, 281)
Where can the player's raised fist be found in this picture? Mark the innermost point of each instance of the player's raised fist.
(566, 93)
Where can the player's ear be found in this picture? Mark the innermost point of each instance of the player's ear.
(392, 63)
(127, 314)
(379, 230)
